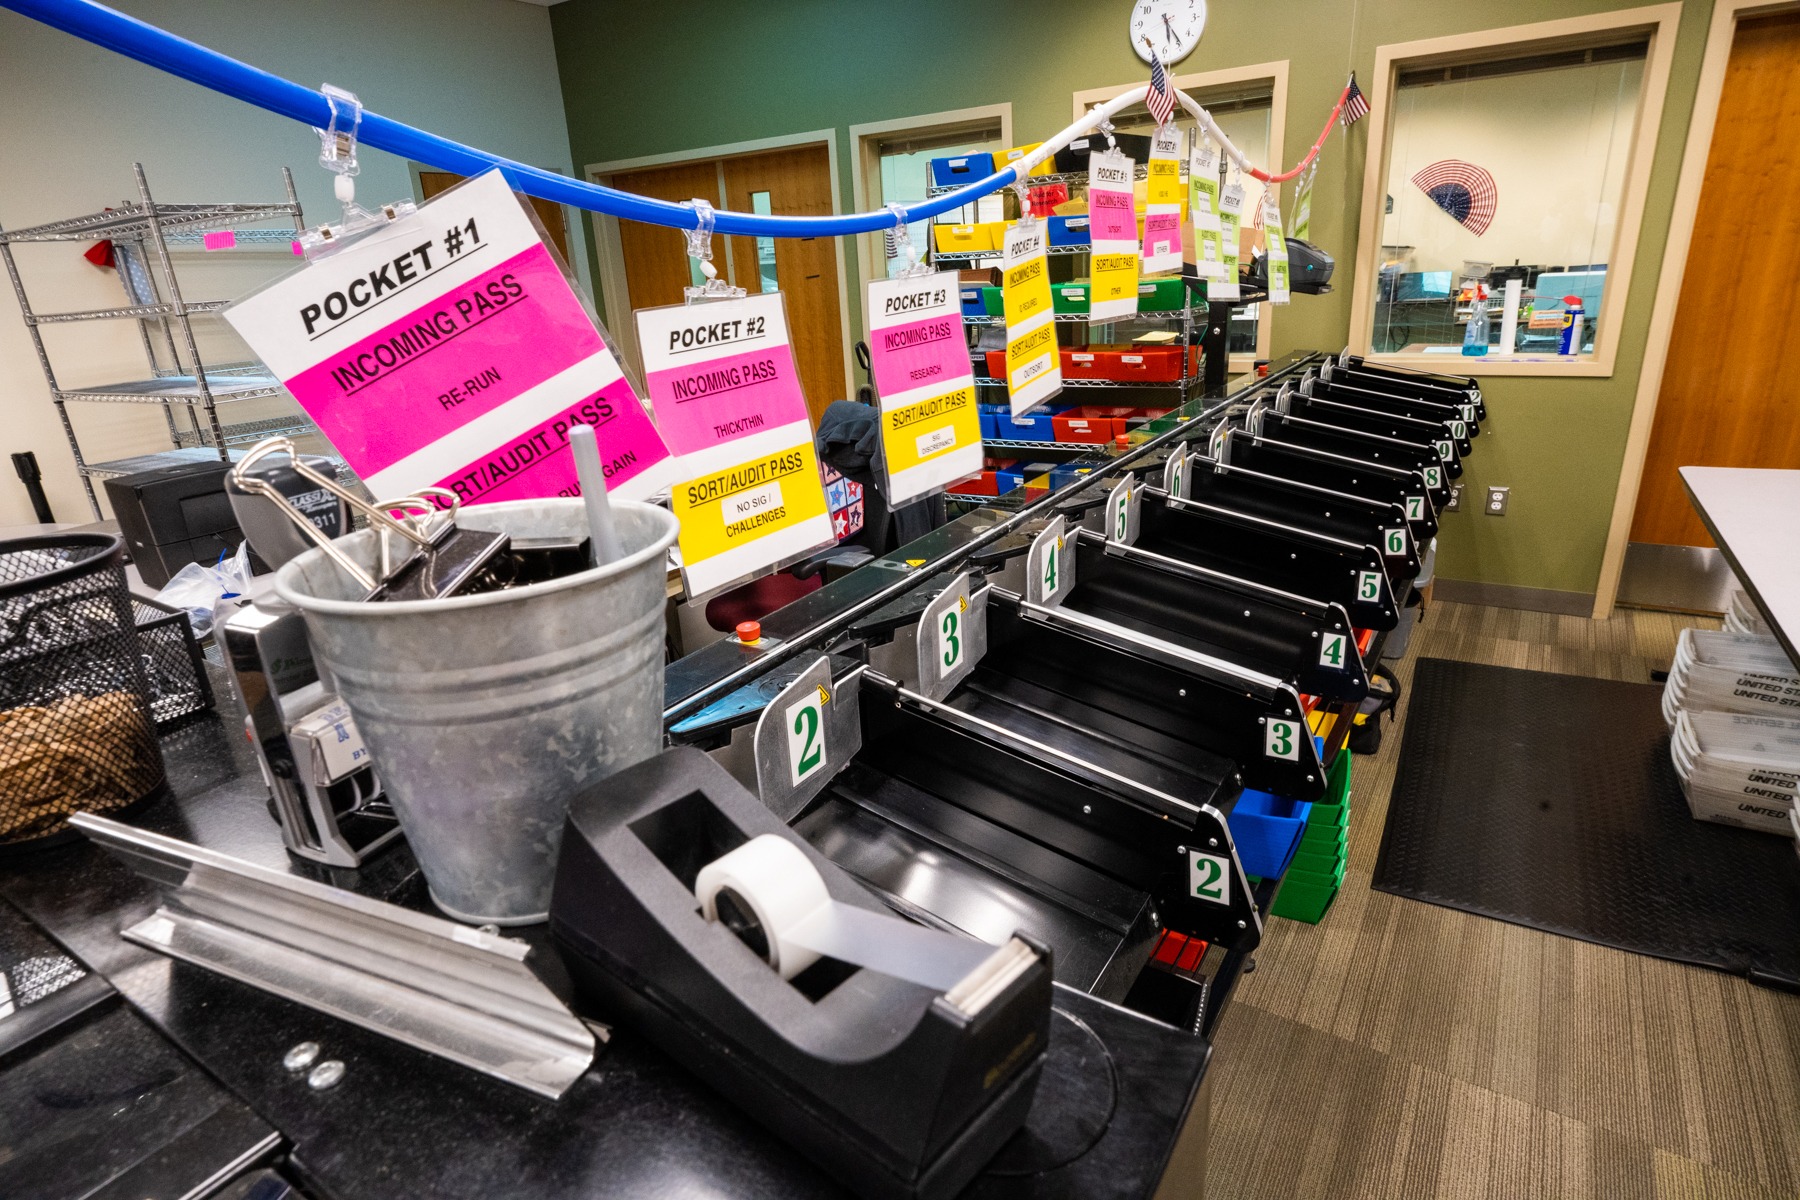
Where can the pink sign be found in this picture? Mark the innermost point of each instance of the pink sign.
(743, 394)
(918, 354)
(1162, 234)
(219, 239)
(1111, 217)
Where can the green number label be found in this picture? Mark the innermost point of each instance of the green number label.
(1050, 571)
(1175, 482)
(1445, 450)
(949, 643)
(1209, 878)
(806, 749)
(1415, 508)
(1434, 477)
(1331, 651)
(1368, 586)
(1458, 430)
(1282, 740)
(1119, 524)
(1396, 542)
(1468, 412)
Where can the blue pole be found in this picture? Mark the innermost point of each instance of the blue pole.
(158, 48)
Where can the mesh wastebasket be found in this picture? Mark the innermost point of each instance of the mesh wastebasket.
(76, 728)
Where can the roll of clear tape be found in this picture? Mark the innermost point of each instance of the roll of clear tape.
(768, 893)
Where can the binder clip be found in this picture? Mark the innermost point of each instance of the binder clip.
(699, 241)
(337, 154)
(899, 243)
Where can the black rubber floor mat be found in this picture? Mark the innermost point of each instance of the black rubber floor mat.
(1550, 801)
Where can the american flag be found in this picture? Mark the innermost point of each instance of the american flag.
(1356, 105)
(1159, 100)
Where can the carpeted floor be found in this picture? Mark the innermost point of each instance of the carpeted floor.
(1399, 1049)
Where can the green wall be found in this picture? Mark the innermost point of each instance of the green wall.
(650, 79)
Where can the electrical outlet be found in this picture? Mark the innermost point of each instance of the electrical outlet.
(1496, 501)
(1454, 503)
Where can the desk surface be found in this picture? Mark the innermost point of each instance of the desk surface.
(1754, 515)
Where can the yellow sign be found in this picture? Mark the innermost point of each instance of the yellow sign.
(1030, 355)
(729, 510)
(927, 429)
(1026, 292)
(1164, 182)
(1115, 277)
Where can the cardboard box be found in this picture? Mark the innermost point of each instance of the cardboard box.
(981, 276)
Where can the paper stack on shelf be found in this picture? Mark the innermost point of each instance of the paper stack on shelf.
(1717, 671)
(1738, 769)
(1741, 615)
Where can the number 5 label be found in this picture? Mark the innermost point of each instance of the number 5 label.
(1209, 877)
(1282, 740)
(1368, 586)
(805, 721)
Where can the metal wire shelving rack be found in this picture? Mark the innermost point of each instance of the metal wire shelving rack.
(143, 233)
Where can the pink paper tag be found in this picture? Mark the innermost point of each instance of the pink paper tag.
(742, 394)
(1162, 233)
(1111, 216)
(918, 354)
(219, 239)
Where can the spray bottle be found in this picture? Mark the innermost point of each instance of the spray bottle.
(1571, 325)
(1475, 336)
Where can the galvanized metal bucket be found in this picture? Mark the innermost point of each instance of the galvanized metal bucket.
(485, 713)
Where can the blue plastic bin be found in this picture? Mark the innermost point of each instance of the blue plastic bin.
(1069, 231)
(1038, 427)
(963, 168)
(970, 293)
(1266, 830)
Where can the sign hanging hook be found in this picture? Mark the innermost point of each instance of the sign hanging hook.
(337, 154)
(899, 243)
(699, 245)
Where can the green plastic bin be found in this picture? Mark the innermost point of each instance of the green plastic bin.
(1069, 297)
(1161, 295)
(993, 301)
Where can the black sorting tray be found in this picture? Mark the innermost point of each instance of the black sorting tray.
(1412, 456)
(1376, 400)
(1341, 473)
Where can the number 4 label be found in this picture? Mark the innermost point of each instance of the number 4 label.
(805, 720)
(1209, 877)
(1331, 651)
(1282, 740)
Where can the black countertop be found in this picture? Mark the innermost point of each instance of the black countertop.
(1112, 1105)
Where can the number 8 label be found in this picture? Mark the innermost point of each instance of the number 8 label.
(806, 737)
(950, 647)
(1434, 477)
(1282, 740)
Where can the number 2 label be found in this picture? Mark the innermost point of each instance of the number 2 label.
(806, 736)
(1209, 877)
(1282, 740)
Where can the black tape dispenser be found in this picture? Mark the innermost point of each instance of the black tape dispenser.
(897, 1057)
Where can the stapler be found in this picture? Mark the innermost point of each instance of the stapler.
(903, 1090)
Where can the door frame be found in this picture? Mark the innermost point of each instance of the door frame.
(616, 294)
(1721, 35)
(1275, 74)
(865, 146)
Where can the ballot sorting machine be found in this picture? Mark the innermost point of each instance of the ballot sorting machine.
(1035, 721)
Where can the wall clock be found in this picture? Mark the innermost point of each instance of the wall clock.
(1170, 28)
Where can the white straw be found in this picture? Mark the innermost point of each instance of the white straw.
(604, 534)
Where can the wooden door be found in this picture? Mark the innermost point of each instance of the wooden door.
(1729, 396)
(655, 256)
(794, 182)
(549, 213)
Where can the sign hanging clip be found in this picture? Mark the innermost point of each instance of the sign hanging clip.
(337, 154)
(900, 243)
(699, 245)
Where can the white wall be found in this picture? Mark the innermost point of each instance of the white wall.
(479, 71)
(1556, 143)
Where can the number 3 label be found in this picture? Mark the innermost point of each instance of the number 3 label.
(805, 721)
(1209, 877)
(950, 647)
(1282, 740)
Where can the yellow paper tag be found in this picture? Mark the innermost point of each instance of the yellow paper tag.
(932, 427)
(1030, 354)
(736, 506)
(1115, 277)
(1026, 292)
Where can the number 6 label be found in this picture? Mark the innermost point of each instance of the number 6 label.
(1394, 541)
(805, 721)
(1209, 877)
(1282, 740)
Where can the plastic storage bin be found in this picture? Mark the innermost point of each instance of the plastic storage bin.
(1069, 297)
(1069, 231)
(964, 239)
(1161, 295)
(1266, 830)
(973, 302)
(1038, 427)
(960, 169)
